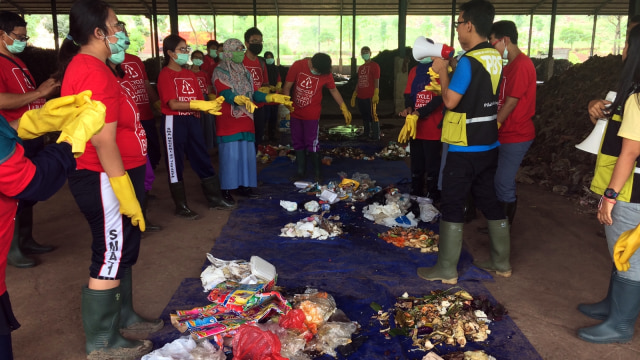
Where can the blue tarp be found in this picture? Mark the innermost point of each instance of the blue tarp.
(357, 268)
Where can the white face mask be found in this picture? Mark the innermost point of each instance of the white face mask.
(505, 53)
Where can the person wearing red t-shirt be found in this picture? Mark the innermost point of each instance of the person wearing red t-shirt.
(108, 184)
(207, 120)
(309, 76)
(258, 70)
(367, 94)
(211, 59)
(18, 93)
(427, 107)
(144, 94)
(516, 107)
(275, 86)
(179, 91)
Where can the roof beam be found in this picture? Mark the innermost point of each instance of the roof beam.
(144, 3)
(536, 6)
(18, 7)
(211, 6)
(603, 4)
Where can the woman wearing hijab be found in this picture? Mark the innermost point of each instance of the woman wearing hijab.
(234, 128)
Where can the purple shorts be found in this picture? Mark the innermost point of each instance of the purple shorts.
(304, 134)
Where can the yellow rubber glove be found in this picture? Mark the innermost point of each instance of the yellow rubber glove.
(53, 115)
(211, 96)
(411, 124)
(499, 125)
(375, 113)
(129, 205)
(79, 130)
(376, 96)
(402, 137)
(212, 107)
(278, 85)
(280, 99)
(345, 113)
(246, 102)
(625, 247)
(353, 99)
(290, 108)
(265, 89)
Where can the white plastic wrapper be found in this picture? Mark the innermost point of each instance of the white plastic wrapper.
(185, 348)
(221, 270)
(329, 196)
(377, 213)
(312, 206)
(428, 212)
(289, 205)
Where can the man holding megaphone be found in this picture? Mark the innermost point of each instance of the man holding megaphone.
(471, 130)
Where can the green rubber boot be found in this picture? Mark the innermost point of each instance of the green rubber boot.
(599, 310)
(500, 248)
(100, 318)
(448, 255)
(180, 199)
(317, 167)
(132, 325)
(623, 313)
(301, 161)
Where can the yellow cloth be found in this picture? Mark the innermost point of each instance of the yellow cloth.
(625, 247)
(280, 99)
(345, 113)
(353, 99)
(129, 205)
(246, 102)
(212, 107)
(376, 96)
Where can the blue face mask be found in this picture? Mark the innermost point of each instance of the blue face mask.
(270, 61)
(197, 62)
(117, 58)
(314, 72)
(182, 59)
(366, 56)
(426, 60)
(17, 47)
(213, 53)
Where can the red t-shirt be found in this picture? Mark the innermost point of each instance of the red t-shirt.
(427, 126)
(258, 74)
(307, 92)
(368, 73)
(204, 81)
(13, 81)
(518, 81)
(226, 124)
(15, 174)
(208, 65)
(136, 76)
(178, 85)
(86, 72)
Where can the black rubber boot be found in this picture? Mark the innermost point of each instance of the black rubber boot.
(215, 198)
(623, 313)
(180, 199)
(132, 325)
(301, 161)
(317, 167)
(101, 319)
(247, 192)
(449, 248)
(149, 225)
(27, 242)
(500, 249)
(417, 184)
(16, 257)
(599, 310)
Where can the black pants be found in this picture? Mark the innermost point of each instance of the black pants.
(425, 163)
(475, 172)
(153, 141)
(259, 119)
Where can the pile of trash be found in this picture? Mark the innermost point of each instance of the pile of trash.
(256, 319)
(348, 152)
(393, 151)
(314, 226)
(358, 187)
(442, 317)
(266, 153)
(423, 239)
(396, 212)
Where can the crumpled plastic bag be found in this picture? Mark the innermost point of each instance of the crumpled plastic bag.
(252, 343)
(185, 348)
(333, 334)
(289, 205)
(428, 212)
(317, 306)
(402, 200)
(377, 213)
(222, 270)
(312, 206)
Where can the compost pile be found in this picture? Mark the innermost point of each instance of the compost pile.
(562, 121)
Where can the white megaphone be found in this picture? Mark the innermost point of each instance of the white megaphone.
(424, 47)
(592, 143)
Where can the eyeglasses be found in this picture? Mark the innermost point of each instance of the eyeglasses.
(19, 37)
(119, 26)
(185, 50)
(458, 23)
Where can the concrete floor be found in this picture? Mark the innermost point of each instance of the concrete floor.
(558, 261)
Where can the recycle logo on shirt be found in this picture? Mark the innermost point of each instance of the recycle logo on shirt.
(131, 71)
(187, 88)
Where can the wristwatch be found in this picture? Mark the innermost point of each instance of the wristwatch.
(609, 193)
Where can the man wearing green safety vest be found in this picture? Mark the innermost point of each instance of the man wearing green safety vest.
(471, 130)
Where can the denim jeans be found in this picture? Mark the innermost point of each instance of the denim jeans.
(625, 216)
(509, 158)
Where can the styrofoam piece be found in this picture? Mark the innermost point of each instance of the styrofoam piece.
(262, 268)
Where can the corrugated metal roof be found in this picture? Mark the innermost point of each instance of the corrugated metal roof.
(328, 7)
